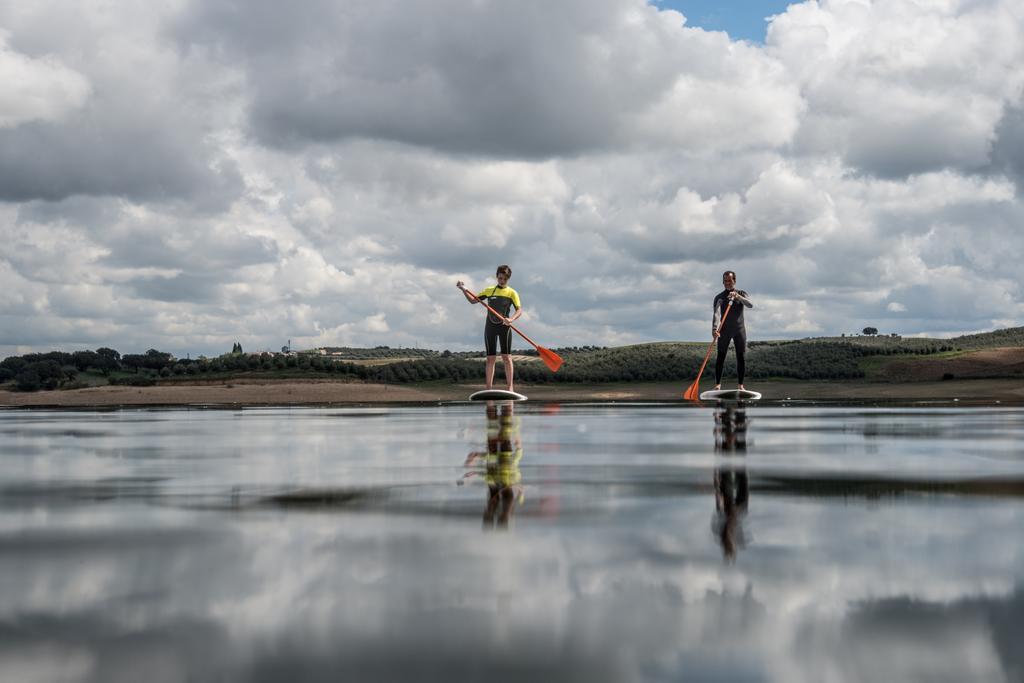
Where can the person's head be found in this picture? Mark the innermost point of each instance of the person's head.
(503, 273)
(729, 279)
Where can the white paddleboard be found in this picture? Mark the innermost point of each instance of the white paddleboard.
(729, 395)
(496, 395)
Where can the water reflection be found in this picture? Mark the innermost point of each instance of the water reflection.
(498, 465)
(732, 491)
(327, 545)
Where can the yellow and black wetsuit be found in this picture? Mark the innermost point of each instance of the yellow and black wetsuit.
(501, 299)
(504, 479)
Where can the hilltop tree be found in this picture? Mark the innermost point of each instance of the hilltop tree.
(871, 330)
(107, 360)
(105, 352)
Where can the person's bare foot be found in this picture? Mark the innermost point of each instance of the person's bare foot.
(741, 387)
(717, 387)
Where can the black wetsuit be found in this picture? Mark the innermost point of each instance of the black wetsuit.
(733, 330)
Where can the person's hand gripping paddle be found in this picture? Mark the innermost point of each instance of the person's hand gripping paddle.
(550, 358)
(693, 393)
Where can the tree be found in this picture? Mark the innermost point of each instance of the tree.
(107, 360)
(83, 360)
(870, 330)
(28, 380)
(155, 360)
(14, 363)
(108, 353)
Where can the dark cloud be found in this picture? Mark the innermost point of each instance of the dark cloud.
(217, 253)
(110, 150)
(920, 145)
(455, 76)
(1008, 145)
(91, 213)
(196, 288)
(450, 76)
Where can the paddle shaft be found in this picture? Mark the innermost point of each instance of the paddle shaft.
(484, 304)
(707, 355)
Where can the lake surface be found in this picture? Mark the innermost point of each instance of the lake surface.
(568, 542)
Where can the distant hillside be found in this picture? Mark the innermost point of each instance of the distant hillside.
(1007, 337)
(679, 361)
(883, 343)
(992, 363)
(377, 352)
(878, 358)
(1010, 336)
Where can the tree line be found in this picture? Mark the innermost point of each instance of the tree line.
(666, 361)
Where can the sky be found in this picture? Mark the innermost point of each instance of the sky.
(185, 174)
(741, 19)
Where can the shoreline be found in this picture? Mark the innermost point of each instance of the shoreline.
(325, 392)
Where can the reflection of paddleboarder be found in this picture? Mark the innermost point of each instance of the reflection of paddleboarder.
(733, 330)
(732, 492)
(501, 465)
(502, 299)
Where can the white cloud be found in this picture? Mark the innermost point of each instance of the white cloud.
(901, 87)
(320, 173)
(37, 89)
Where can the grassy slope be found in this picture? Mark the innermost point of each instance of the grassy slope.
(791, 360)
(964, 361)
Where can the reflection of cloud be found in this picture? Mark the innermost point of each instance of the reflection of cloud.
(318, 599)
(117, 557)
(970, 639)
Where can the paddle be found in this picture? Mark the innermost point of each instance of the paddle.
(693, 393)
(550, 358)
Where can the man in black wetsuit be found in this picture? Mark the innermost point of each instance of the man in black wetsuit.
(732, 329)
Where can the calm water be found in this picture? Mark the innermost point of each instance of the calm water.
(589, 542)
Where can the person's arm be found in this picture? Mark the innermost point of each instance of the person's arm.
(470, 297)
(519, 311)
(742, 297)
(716, 319)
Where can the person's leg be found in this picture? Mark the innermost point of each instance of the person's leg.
(740, 344)
(506, 358)
(723, 349)
(491, 345)
(490, 370)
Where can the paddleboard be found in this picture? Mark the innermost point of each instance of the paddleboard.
(496, 395)
(729, 395)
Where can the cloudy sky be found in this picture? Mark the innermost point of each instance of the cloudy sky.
(183, 174)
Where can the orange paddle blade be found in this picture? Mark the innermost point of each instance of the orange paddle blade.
(550, 358)
(693, 393)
